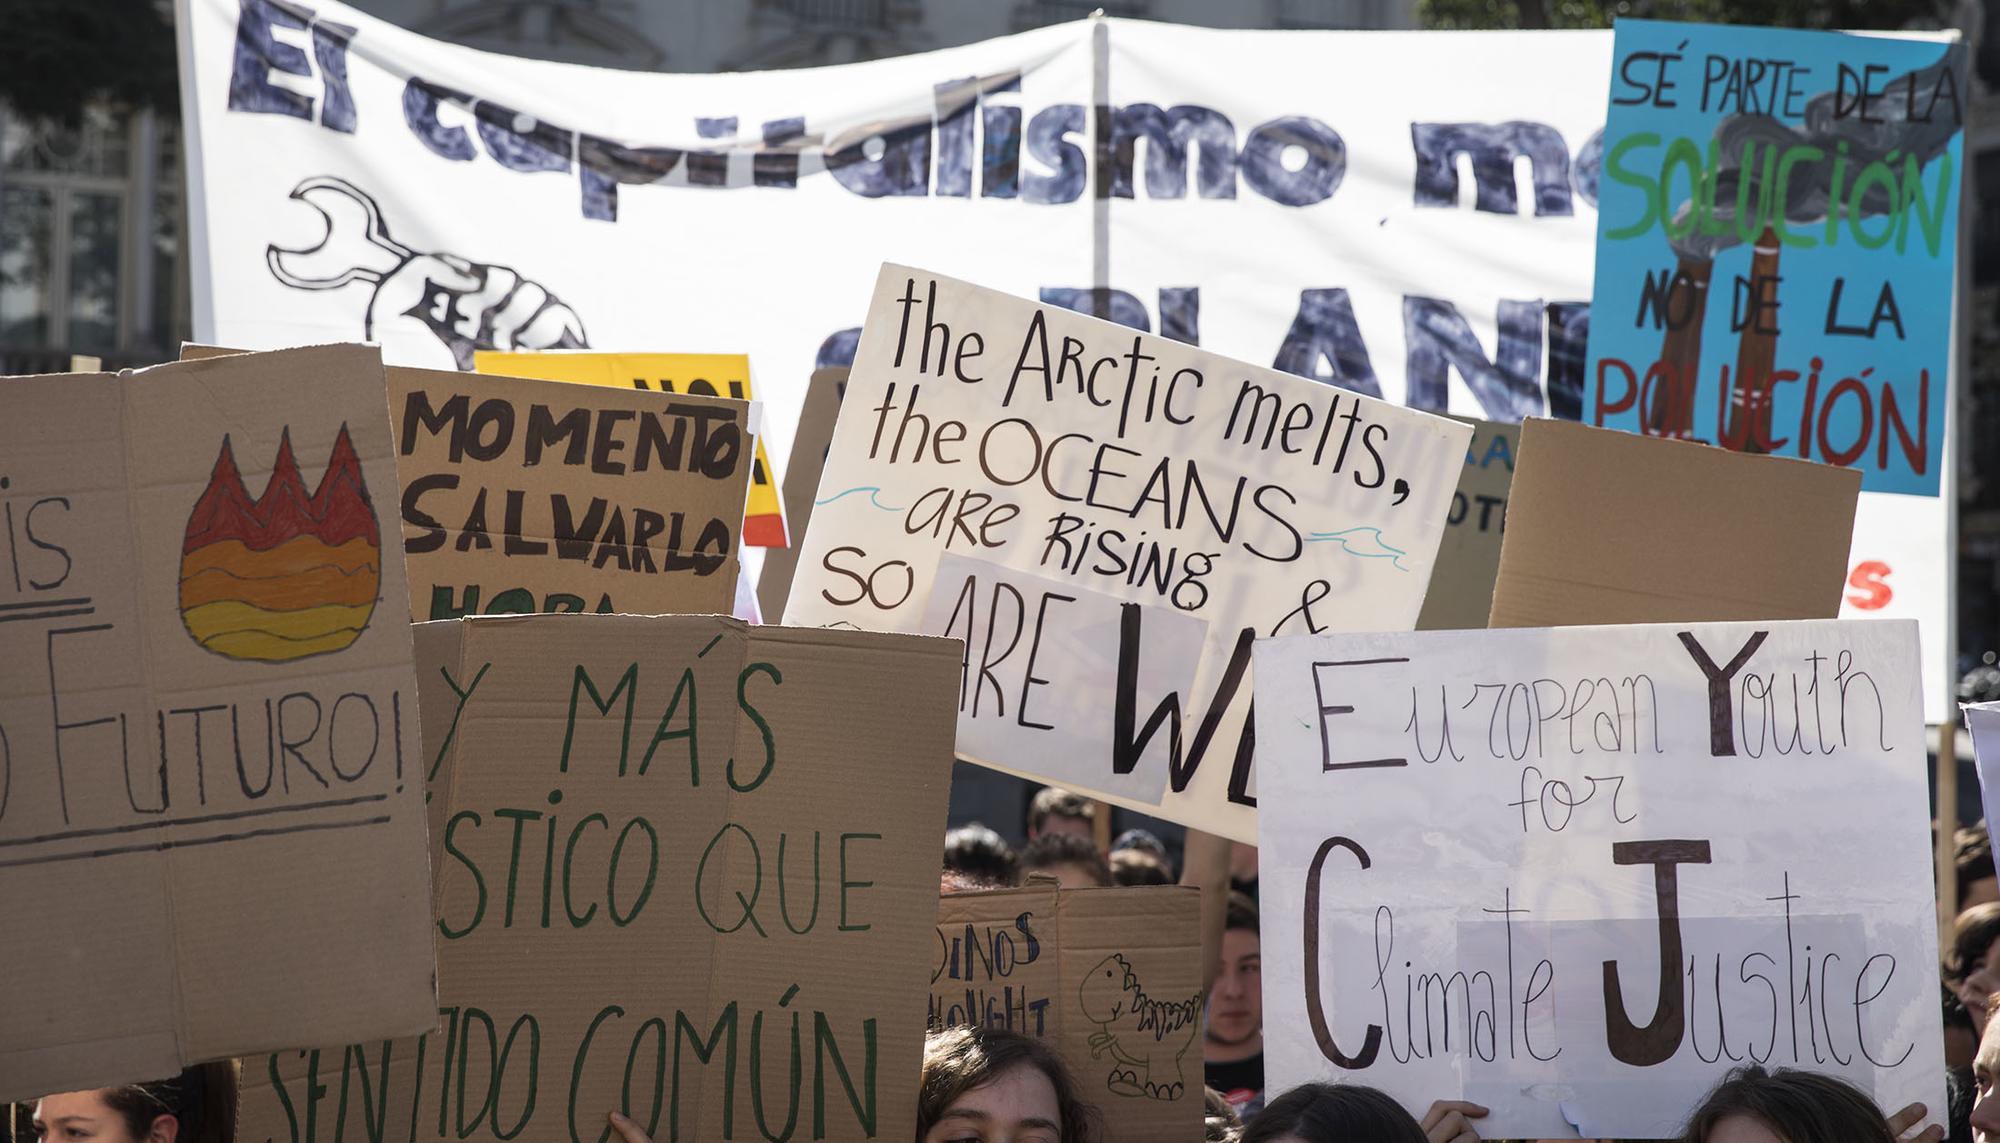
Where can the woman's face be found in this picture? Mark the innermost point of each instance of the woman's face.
(75, 1116)
(1017, 1106)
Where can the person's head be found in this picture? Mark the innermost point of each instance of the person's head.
(1138, 867)
(1986, 1081)
(981, 854)
(1056, 810)
(1972, 938)
(1752, 1105)
(1972, 963)
(981, 1085)
(1977, 883)
(1219, 1121)
(197, 1106)
(1144, 840)
(1073, 861)
(1236, 1003)
(1333, 1113)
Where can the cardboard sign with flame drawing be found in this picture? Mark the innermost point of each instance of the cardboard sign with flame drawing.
(208, 721)
(1777, 228)
(1112, 977)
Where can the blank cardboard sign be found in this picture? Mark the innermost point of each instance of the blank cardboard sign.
(1610, 527)
(1111, 976)
(686, 868)
(211, 808)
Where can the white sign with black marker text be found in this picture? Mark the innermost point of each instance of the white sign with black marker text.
(1577, 875)
(1108, 519)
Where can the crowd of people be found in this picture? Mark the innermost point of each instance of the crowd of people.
(998, 1085)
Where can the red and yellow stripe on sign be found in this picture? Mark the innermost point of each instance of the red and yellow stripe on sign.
(704, 374)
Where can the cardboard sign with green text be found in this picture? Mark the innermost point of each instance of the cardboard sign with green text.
(211, 814)
(1111, 976)
(686, 868)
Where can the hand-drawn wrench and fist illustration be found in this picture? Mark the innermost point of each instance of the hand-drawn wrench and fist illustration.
(466, 305)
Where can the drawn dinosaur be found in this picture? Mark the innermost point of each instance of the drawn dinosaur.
(1146, 1037)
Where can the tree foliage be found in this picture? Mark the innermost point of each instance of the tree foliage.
(58, 55)
(1853, 14)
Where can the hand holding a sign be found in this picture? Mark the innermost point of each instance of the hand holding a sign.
(1902, 1123)
(1450, 1121)
(627, 1130)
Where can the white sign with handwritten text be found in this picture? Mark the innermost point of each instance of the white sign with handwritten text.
(1077, 500)
(1577, 875)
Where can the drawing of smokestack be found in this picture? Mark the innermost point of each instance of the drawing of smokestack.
(1733, 204)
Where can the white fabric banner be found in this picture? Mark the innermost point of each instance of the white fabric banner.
(1410, 214)
(1575, 874)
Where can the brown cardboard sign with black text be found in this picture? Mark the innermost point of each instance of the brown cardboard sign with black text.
(522, 496)
(1111, 976)
(686, 868)
(1609, 527)
(211, 814)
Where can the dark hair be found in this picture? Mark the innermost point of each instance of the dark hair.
(1241, 913)
(1056, 802)
(1971, 936)
(202, 1099)
(1334, 1113)
(959, 1060)
(980, 853)
(1053, 849)
(1797, 1106)
(1973, 857)
(1137, 867)
(1143, 840)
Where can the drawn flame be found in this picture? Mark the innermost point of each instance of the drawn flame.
(288, 575)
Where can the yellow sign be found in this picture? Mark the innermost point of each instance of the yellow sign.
(705, 374)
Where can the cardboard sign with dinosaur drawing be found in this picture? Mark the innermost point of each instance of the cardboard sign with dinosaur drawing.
(1111, 976)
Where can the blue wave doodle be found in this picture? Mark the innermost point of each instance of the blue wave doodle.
(870, 489)
(1393, 554)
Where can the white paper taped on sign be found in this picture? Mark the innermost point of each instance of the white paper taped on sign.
(1572, 874)
(1160, 506)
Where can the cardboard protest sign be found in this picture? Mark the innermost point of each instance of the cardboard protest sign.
(701, 374)
(526, 496)
(686, 868)
(1578, 874)
(1777, 228)
(802, 470)
(1111, 976)
(1468, 559)
(522, 495)
(1607, 527)
(1108, 519)
(211, 812)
